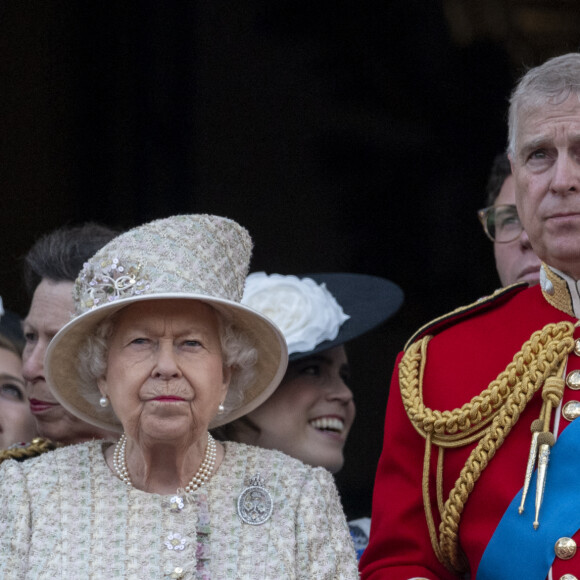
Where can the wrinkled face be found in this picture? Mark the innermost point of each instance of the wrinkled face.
(546, 167)
(17, 424)
(310, 414)
(51, 308)
(515, 261)
(165, 376)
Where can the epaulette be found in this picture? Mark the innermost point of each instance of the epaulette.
(485, 303)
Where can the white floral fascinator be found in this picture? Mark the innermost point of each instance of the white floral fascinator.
(321, 311)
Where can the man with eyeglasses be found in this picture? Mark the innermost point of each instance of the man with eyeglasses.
(515, 259)
(480, 471)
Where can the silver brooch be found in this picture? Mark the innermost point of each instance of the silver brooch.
(108, 281)
(255, 503)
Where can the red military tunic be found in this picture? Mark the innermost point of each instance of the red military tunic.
(469, 349)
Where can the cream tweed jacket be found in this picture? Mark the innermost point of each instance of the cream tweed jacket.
(65, 515)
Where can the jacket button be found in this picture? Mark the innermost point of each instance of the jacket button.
(571, 410)
(565, 548)
(573, 380)
(577, 347)
(568, 577)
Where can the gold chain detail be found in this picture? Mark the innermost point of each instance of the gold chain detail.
(489, 417)
(36, 447)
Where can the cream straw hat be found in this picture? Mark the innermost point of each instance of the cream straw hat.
(194, 257)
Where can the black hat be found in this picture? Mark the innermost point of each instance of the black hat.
(367, 301)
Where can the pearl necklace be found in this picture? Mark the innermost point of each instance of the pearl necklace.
(202, 475)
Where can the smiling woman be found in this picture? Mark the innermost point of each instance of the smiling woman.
(310, 415)
(160, 351)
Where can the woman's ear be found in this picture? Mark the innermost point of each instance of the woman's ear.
(102, 385)
(226, 377)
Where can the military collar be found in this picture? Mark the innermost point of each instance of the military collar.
(560, 290)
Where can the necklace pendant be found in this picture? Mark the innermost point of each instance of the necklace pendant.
(255, 502)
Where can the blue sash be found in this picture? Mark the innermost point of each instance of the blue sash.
(516, 550)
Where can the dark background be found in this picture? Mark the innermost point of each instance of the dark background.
(345, 135)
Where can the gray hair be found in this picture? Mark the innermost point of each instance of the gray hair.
(238, 353)
(552, 82)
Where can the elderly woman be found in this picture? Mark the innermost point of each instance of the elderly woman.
(310, 414)
(161, 350)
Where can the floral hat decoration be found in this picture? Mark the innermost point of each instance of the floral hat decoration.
(196, 257)
(321, 311)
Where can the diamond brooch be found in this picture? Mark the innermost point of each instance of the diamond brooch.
(255, 503)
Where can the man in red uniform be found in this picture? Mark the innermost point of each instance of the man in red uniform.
(480, 470)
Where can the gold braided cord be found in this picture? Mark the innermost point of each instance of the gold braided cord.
(36, 447)
(489, 417)
(445, 426)
(427, 500)
(489, 444)
(440, 503)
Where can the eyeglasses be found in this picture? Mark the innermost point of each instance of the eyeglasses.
(501, 223)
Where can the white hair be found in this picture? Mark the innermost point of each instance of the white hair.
(238, 353)
(552, 82)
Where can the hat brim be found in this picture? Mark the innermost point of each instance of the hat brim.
(62, 358)
(368, 300)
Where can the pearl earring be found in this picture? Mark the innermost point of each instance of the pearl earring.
(221, 408)
(104, 401)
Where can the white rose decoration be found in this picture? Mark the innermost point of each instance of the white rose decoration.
(306, 313)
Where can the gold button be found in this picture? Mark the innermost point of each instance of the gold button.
(573, 380)
(571, 410)
(568, 577)
(577, 347)
(565, 548)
